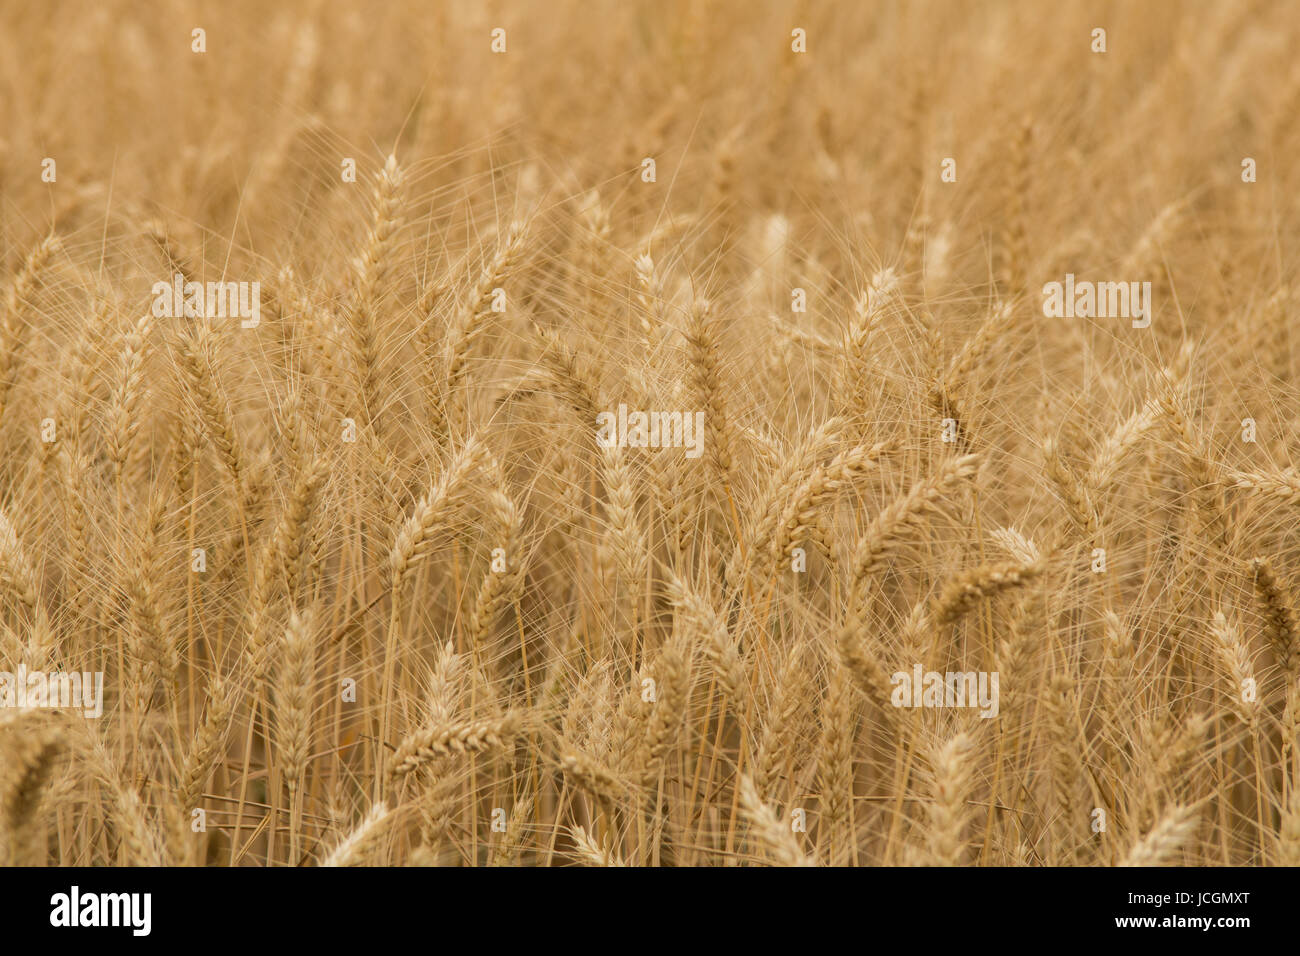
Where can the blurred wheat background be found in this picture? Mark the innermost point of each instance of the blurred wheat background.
(436, 623)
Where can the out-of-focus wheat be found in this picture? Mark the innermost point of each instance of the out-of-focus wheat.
(366, 581)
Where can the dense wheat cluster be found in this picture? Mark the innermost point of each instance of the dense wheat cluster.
(365, 585)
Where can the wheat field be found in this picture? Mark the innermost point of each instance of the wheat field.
(376, 568)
